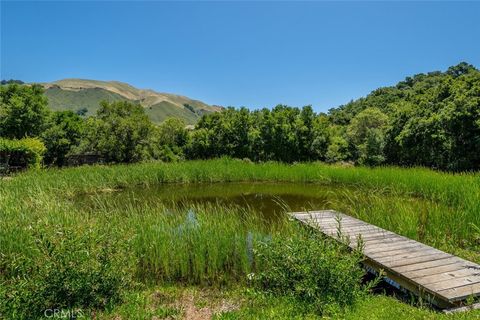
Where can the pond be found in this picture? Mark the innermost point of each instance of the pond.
(405, 214)
(268, 199)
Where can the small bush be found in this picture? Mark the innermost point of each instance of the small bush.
(68, 270)
(309, 268)
(168, 154)
(27, 151)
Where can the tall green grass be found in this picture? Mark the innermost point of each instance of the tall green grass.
(40, 224)
(455, 197)
(82, 260)
(210, 245)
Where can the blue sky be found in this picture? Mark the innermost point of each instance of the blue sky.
(255, 54)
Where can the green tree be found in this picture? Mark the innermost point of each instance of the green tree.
(199, 145)
(23, 111)
(64, 131)
(428, 119)
(433, 120)
(372, 150)
(321, 137)
(305, 133)
(172, 138)
(337, 150)
(284, 143)
(367, 133)
(173, 132)
(120, 132)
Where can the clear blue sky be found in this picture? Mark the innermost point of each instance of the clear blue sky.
(255, 54)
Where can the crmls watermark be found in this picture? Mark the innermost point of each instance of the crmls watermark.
(64, 313)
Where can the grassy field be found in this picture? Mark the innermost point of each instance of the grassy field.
(51, 248)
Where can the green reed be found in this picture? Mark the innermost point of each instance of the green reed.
(457, 195)
(40, 219)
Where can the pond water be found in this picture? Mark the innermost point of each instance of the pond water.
(267, 199)
(410, 216)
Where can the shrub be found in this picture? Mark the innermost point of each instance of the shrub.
(310, 268)
(168, 154)
(67, 270)
(27, 151)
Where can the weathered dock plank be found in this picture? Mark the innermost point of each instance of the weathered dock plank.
(432, 271)
(441, 278)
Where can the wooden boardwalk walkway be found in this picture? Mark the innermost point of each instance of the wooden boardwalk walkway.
(438, 277)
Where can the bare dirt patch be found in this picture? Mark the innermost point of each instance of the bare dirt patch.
(196, 304)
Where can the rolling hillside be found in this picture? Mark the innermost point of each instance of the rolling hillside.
(75, 94)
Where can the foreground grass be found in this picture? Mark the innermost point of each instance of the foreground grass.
(173, 302)
(113, 248)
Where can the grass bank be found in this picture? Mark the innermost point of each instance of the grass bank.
(455, 197)
(54, 252)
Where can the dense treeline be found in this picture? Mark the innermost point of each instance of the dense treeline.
(428, 120)
(283, 133)
(432, 119)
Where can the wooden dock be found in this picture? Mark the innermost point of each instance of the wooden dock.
(438, 277)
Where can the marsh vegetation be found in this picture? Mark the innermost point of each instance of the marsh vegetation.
(89, 237)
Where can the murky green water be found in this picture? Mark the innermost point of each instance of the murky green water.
(268, 199)
(407, 215)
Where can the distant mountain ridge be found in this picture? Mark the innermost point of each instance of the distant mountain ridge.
(76, 94)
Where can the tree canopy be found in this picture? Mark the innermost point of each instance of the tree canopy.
(430, 120)
(23, 111)
(120, 132)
